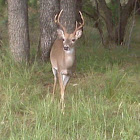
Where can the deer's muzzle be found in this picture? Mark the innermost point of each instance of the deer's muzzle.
(66, 48)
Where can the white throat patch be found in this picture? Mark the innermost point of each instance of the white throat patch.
(69, 51)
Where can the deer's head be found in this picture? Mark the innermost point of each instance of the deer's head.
(69, 39)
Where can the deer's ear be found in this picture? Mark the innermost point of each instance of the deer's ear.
(60, 33)
(78, 34)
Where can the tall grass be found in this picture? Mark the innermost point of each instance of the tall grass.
(103, 105)
(102, 99)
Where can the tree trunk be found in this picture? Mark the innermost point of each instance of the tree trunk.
(48, 9)
(116, 31)
(18, 29)
(78, 8)
(68, 18)
(124, 16)
(108, 20)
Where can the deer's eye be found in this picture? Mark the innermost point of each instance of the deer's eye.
(73, 40)
(63, 40)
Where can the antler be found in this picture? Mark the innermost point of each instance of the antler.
(56, 19)
(81, 24)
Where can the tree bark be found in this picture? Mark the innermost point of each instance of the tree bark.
(18, 29)
(48, 9)
(116, 31)
(124, 16)
(68, 17)
(108, 19)
(78, 8)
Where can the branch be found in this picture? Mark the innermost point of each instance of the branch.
(130, 3)
(96, 25)
(107, 18)
(89, 15)
(129, 6)
(107, 12)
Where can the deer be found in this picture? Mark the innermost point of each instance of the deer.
(63, 55)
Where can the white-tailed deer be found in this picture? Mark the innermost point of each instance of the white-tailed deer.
(62, 54)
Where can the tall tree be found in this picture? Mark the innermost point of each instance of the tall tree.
(18, 29)
(68, 18)
(78, 8)
(48, 9)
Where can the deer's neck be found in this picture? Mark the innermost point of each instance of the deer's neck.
(70, 57)
(70, 52)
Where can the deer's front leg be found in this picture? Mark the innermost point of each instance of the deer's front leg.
(62, 92)
(55, 79)
(63, 80)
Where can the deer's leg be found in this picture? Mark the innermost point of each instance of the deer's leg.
(55, 79)
(65, 80)
(62, 90)
(62, 81)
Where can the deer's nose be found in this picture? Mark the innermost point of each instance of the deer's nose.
(66, 47)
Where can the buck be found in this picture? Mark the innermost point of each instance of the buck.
(63, 55)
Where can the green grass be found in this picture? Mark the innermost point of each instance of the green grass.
(104, 104)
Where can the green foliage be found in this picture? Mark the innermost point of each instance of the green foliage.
(2, 7)
(2, 2)
(115, 8)
(87, 6)
(32, 3)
